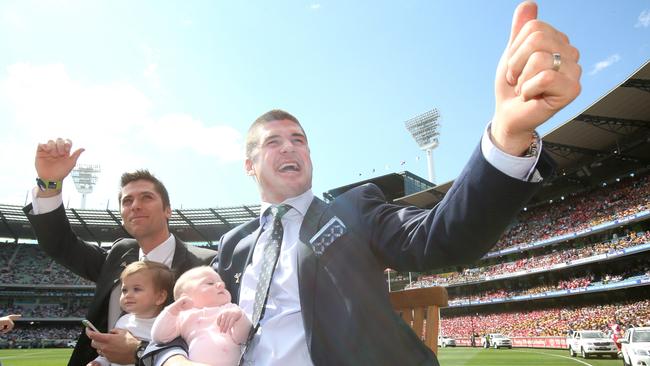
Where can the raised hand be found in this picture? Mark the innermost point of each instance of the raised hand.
(54, 160)
(531, 83)
(183, 303)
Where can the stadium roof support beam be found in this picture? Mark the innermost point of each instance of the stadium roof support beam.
(612, 124)
(568, 150)
(83, 223)
(216, 214)
(4, 221)
(191, 224)
(641, 84)
(253, 214)
(118, 221)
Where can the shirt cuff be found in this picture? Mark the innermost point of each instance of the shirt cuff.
(522, 168)
(162, 356)
(43, 205)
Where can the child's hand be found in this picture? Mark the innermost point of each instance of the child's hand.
(179, 305)
(227, 318)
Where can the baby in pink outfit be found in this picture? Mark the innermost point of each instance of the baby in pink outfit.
(204, 317)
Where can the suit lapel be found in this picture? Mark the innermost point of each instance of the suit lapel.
(130, 255)
(246, 246)
(307, 263)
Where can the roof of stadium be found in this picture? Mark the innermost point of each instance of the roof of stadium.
(608, 140)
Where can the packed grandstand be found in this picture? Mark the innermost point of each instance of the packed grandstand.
(576, 258)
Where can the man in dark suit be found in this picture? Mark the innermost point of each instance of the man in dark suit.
(145, 211)
(327, 301)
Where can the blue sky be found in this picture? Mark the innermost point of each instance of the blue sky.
(173, 86)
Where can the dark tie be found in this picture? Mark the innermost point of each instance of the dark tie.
(269, 261)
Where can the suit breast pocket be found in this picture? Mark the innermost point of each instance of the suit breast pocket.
(328, 235)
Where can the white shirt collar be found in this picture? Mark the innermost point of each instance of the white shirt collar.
(163, 253)
(300, 203)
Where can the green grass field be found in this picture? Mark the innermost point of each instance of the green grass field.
(448, 357)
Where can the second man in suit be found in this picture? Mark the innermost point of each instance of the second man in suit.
(145, 210)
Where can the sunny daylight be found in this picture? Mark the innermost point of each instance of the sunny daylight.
(505, 143)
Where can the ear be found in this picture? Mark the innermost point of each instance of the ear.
(161, 297)
(249, 167)
(168, 212)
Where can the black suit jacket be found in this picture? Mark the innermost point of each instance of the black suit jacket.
(57, 239)
(347, 314)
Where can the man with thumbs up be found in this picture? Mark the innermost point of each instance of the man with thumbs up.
(328, 297)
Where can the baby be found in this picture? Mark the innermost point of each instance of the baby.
(203, 316)
(145, 288)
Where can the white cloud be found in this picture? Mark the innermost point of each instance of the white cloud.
(183, 132)
(644, 19)
(601, 65)
(114, 122)
(314, 6)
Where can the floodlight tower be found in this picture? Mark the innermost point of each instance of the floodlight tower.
(425, 130)
(85, 177)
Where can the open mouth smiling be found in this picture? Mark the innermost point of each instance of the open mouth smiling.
(289, 167)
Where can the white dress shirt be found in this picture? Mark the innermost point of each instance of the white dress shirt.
(280, 339)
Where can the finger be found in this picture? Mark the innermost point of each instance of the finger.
(61, 147)
(14, 316)
(220, 322)
(524, 12)
(547, 41)
(541, 61)
(97, 336)
(75, 155)
(553, 89)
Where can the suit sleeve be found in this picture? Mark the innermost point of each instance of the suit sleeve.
(56, 239)
(460, 229)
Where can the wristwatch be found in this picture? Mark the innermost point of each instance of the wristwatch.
(139, 352)
(534, 146)
(45, 185)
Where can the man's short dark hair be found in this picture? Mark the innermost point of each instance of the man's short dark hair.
(144, 174)
(252, 138)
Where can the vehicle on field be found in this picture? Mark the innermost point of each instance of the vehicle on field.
(496, 340)
(444, 341)
(635, 346)
(591, 343)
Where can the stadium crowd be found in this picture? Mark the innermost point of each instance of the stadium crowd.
(550, 322)
(579, 211)
(592, 280)
(546, 261)
(27, 264)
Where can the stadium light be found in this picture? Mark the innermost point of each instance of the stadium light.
(85, 178)
(425, 130)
